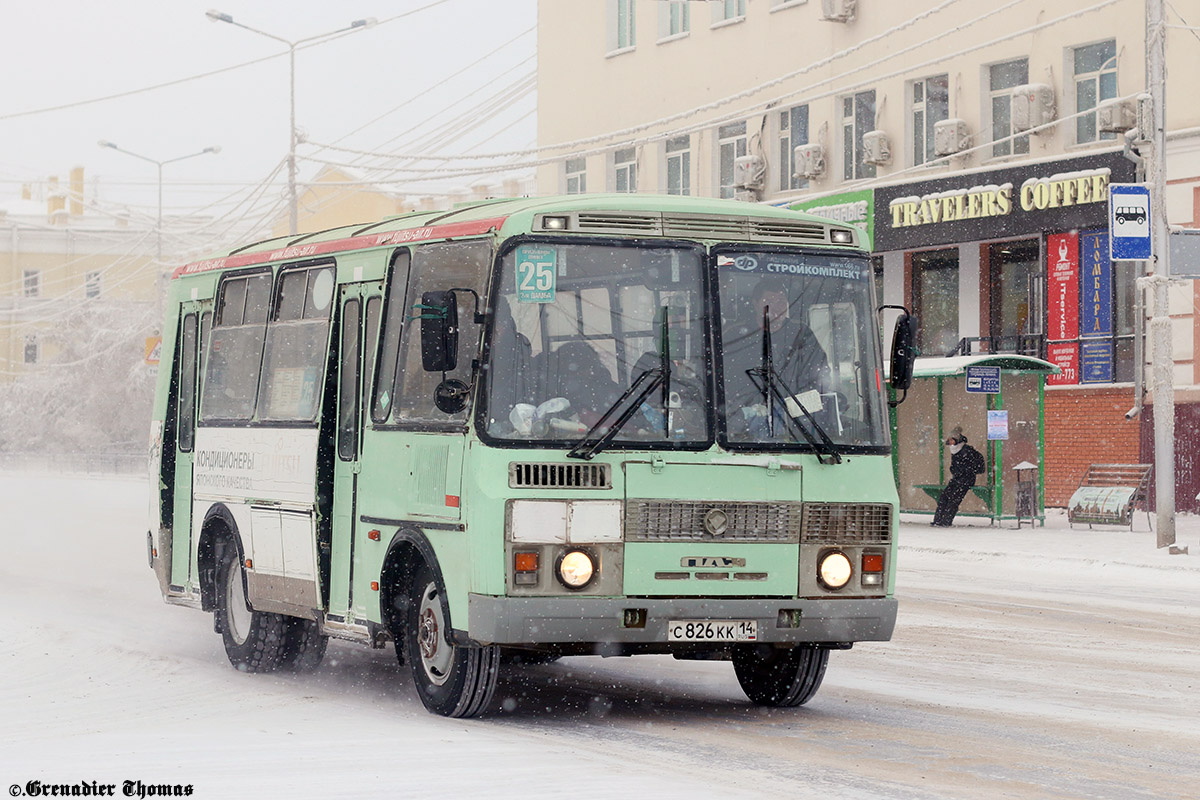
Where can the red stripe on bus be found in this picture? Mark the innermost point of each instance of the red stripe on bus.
(342, 245)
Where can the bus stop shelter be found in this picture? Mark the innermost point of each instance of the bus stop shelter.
(998, 399)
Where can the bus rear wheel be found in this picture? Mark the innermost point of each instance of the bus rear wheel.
(451, 680)
(303, 645)
(253, 639)
(784, 678)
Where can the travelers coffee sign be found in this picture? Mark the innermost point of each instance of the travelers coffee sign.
(1055, 195)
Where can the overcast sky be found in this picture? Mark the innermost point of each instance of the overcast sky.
(68, 51)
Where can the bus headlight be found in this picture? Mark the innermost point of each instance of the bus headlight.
(834, 570)
(576, 569)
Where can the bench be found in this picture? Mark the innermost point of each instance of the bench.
(1109, 493)
(934, 490)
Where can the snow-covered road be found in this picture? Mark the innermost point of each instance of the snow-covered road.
(1026, 664)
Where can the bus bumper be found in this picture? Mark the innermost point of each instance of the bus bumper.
(562, 620)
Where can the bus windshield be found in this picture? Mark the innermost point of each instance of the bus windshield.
(582, 331)
(799, 362)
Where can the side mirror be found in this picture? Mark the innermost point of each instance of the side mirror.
(439, 331)
(904, 353)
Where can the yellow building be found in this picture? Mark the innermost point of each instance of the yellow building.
(58, 261)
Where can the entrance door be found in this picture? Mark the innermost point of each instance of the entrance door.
(187, 382)
(357, 337)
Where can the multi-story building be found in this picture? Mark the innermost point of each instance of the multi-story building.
(57, 260)
(974, 142)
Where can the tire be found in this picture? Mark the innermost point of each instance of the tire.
(451, 681)
(303, 645)
(784, 678)
(253, 639)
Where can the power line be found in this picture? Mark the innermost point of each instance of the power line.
(179, 81)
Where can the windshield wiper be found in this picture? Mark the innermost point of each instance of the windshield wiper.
(770, 384)
(590, 444)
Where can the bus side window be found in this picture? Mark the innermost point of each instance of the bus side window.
(202, 344)
(441, 266)
(187, 385)
(347, 429)
(234, 356)
(369, 345)
(394, 314)
(296, 349)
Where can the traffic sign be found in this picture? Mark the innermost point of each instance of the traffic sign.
(983, 380)
(1129, 222)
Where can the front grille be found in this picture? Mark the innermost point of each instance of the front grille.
(700, 226)
(847, 523)
(778, 230)
(648, 224)
(524, 475)
(683, 521)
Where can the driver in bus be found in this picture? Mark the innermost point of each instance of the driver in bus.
(798, 358)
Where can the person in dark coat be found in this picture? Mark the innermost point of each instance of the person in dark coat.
(965, 463)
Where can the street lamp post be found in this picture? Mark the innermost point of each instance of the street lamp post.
(214, 149)
(293, 138)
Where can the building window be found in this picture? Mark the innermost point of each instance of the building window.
(625, 170)
(32, 283)
(727, 10)
(679, 165)
(731, 145)
(793, 132)
(858, 117)
(1095, 82)
(622, 30)
(935, 300)
(1002, 79)
(91, 285)
(930, 105)
(674, 18)
(576, 169)
(31, 350)
(777, 4)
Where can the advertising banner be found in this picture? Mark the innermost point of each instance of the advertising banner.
(1062, 290)
(1065, 356)
(1097, 358)
(1095, 285)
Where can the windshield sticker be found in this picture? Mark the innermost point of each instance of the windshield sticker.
(537, 271)
(795, 265)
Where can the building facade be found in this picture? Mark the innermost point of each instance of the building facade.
(57, 262)
(973, 141)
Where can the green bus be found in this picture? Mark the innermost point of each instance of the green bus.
(532, 428)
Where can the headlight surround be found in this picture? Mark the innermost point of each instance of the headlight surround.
(834, 570)
(575, 569)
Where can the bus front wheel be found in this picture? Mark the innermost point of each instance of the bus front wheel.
(452, 681)
(778, 677)
(253, 640)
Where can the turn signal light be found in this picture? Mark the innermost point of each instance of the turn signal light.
(525, 568)
(872, 562)
(374, 536)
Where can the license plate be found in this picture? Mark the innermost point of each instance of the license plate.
(712, 630)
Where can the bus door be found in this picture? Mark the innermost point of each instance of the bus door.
(357, 337)
(194, 321)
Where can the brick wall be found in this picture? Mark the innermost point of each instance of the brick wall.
(1086, 426)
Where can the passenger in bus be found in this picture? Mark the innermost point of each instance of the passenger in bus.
(965, 463)
(576, 372)
(798, 358)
